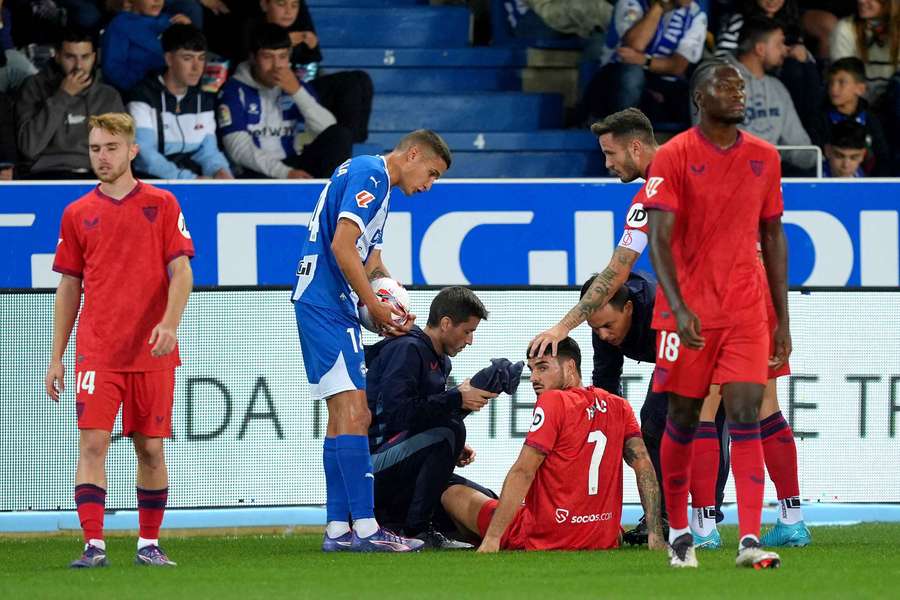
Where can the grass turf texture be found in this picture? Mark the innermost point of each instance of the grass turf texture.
(861, 561)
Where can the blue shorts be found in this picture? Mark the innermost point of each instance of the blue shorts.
(332, 350)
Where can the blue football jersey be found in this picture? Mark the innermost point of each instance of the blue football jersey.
(359, 190)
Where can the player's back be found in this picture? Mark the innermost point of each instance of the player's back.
(575, 501)
(359, 190)
(719, 198)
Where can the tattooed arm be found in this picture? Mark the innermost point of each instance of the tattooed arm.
(602, 288)
(636, 457)
(375, 268)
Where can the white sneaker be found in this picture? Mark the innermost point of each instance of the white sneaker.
(681, 552)
(752, 554)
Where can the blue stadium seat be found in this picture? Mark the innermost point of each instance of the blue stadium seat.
(422, 57)
(432, 80)
(365, 3)
(496, 111)
(414, 27)
(526, 164)
(547, 140)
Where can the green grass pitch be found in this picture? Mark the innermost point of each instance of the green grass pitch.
(861, 561)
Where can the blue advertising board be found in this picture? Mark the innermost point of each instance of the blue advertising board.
(485, 232)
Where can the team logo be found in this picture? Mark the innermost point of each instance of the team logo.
(637, 216)
(182, 227)
(253, 108)
(150, 212)
(91, 223)
(374, 181)
(224, 115)
(363, 369)
(364, 198)
(561, 515)
(434, 365)
(757, 167)
(538, 419)
(652, 186)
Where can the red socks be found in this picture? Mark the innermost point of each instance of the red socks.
(90, 501)
(780, 452)
(705, 465)
(749, 475)
(675, 458)
(151, 507)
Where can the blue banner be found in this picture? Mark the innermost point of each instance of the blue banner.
(466, 232)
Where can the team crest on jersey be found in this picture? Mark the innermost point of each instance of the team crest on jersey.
(637, 216)
(364, 198)
(652, 186)
(538, 421)
(150, 212)
(757, 167)
(224, 115)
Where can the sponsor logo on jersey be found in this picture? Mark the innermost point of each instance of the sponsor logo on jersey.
(652, 186)
(637, 215)
(375, 182)
(698, 169)
(91, 223)
(538, 421)
(561, 515)
(182, 226)
(592, 518)
(364, 198)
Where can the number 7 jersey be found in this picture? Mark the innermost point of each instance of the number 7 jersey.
(575, 501)
(359, 190)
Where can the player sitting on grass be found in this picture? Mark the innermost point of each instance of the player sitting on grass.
(569, 472)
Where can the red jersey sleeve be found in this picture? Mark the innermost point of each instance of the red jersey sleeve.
(177, 237)
(546, 422)
(663, 188)
(69, 258)
(632, 429)
(773, 205)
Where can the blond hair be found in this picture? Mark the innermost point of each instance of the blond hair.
(115, 123)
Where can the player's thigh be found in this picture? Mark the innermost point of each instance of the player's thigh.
(770, 400)
(742, 369)
(333, 356)
(711, 403)
(348, 413)
(683, 371)
(466, 505)
(147, 406)
(98, 395)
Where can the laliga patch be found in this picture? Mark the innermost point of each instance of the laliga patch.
(538, 421)
(652, 186)
(224, 116)
(182, 227)
(637, 216)
(364, 198)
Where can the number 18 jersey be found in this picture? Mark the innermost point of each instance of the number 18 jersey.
(359, 190)
(575, 501)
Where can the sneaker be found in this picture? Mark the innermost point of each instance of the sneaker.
(153, 556)
(713, 541)
(339, 544)
(751, 554)
(435, 540)
(638, 535)
(681, 552)
(92, 557)
(385, 541)
(796, 535)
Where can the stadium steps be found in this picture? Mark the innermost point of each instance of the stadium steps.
(431, 80)
(412, 27)
(365, 3)
(496, 111)
(521, 164)
(362, 58)
(544, 140)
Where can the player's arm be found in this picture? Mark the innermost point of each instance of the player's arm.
(375, 268)
(661, 224)
(515, 486)
(602, 288)
(344, 248)
(68, 299)
(181, 281)
(774, 249)
(637, 457)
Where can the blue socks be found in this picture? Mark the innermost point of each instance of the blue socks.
(355, 462)
(336, 504)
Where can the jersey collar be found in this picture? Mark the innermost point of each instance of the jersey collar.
(133, 192)
(737, 142)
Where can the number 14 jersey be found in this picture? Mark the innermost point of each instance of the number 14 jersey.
(575, 501)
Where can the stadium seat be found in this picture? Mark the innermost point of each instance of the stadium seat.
(525, 164)
(429, 79)
(414, 27)
(360, 58)
(547, 140)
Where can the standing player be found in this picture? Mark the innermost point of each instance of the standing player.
(717, 191)
(341, 254)
(569, 471)
(127, 243)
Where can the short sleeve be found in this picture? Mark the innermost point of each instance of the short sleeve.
(177, 237)
(625, 14)
(634, 237)
(773, 205)
(663, 185)
(69, 259)
(546, 422)
(230, 116)
(632, 429)
(691, 45)
(363, 196)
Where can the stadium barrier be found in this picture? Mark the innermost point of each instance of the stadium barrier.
(246, 433)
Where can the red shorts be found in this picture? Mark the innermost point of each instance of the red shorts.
(146, 399)
(515, 535)
(731, 355)
(784, 369)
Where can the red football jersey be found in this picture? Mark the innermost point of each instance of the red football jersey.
(636, 230)
(120, 249)
(575, 500)
(719, 198)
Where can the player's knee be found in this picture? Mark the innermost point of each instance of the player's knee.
(93, 451)
(150, 453)
(744, 412)
(685, 412)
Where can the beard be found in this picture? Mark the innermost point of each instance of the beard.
(112, 174)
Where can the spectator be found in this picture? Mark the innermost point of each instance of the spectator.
(175, 119)
(799, 73)
(54, 106)
(649, 47)
(130, 47)
(347, 94)
(583, 18)
(846, 90)
(14, 66)
(86, 15)
(271, 125)
(819, 18)
(873, 36)
(845, 151)
(7, 138)
(770, 111)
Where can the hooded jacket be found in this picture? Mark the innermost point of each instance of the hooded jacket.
(260, 126)
(131, 48)
(188, 131)
(406, 387)
(52, 129)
